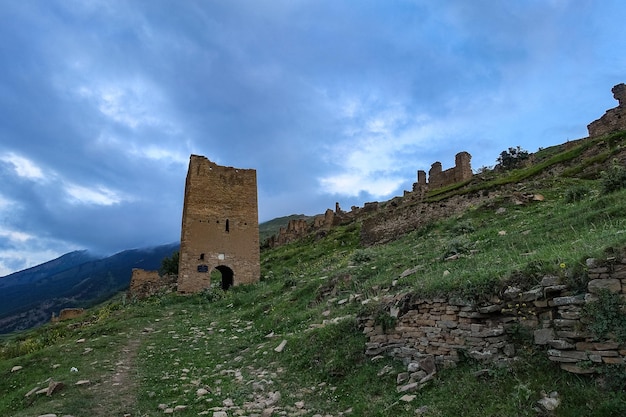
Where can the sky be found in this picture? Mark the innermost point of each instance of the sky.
(103, 101)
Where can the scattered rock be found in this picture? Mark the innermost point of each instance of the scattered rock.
(407, 398)
(549, 402)
(220, 414)
(83, 382)
(280, 347)
(17, 368)
(54, 387)
(201, 391)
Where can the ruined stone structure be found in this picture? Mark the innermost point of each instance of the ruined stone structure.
(382, 222)
(437, 178)
(144, 284)
(443, 328)
(67, 314)
(614, 119)
(220, 227)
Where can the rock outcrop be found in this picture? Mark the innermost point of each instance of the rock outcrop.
(615, 118)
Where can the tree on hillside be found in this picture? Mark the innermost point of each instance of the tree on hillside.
(169, 265)
(513, 158)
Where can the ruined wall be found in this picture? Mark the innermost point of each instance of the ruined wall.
(68, 314)
(462, 171)
(550, 312)
(220, 226)
(614, 119)
(144, 284)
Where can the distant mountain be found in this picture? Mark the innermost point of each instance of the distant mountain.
(77, 279)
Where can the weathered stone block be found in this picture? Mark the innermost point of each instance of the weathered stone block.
(543, 336)
(612, 285)
(569, 300)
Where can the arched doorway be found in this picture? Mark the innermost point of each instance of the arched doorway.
(224, 275)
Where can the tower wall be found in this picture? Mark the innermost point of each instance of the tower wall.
(220, 226)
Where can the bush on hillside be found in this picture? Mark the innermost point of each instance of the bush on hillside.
(169, 265)
(614, 178)
(512, 158)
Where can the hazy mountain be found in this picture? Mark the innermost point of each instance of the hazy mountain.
(77, 279)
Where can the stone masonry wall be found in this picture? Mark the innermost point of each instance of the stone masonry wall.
(461, 171)
(220, 226)
(144, 284)
(443, 328)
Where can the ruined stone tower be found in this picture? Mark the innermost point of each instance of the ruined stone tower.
(220, 227)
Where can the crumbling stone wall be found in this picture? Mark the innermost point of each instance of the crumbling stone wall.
(68, 314)
(144, 284)
(220, 226)
(461, 171)
(550, 312)
(614, 119)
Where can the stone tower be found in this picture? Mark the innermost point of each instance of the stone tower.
(220, 227)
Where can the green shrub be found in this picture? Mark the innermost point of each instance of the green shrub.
(361, 256)
(457, 246)
(606, 316)
(576, 193)
(614, 178)
(169, 265)
(513, 158)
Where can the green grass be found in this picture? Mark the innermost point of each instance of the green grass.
(145, 356)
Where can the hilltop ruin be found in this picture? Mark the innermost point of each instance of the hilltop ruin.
(614, 119)
(220, 227)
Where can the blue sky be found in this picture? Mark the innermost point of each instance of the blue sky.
(102, 102)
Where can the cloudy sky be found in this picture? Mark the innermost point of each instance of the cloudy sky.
(103, 101)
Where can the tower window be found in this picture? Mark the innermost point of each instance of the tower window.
(227, 226)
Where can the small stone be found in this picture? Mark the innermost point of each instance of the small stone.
(201, 391)
(300, 405)
(54, 387)
(169, 411)
(228, 402)
(47, 415)
(550, 402)
(162, 406)
(220, 414)
(180, 408)
(80, 341)
(82, 382)
(407, 398)
(17, 368)
(280, 347)
(502, 233)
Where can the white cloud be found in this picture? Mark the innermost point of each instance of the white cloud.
(377, 147)
(15, 236)
(24, 167)
(93, 195)
(132, 103)
(352, 184)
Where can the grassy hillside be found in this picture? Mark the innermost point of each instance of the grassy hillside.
(221, 351)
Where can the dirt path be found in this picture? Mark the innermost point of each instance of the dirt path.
(116, 395)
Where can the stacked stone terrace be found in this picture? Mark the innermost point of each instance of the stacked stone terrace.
(443, 328)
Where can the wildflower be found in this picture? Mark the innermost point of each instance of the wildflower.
(562, 265)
